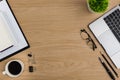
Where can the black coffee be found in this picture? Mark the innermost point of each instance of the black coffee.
(14, 68)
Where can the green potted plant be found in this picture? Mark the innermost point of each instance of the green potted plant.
(97, 6)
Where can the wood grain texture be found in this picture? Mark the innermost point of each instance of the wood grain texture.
(52, 29)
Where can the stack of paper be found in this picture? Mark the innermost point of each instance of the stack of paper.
(6, 40)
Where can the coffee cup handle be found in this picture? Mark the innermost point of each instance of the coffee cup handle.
(4, 72)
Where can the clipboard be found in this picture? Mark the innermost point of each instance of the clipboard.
(20, 41)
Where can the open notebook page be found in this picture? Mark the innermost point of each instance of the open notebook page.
(5, 38)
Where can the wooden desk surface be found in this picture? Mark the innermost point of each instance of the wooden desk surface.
(52, 29)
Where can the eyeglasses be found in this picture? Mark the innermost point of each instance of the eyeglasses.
(86, 36)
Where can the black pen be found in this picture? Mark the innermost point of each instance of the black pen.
(107, 69)
(109, 64)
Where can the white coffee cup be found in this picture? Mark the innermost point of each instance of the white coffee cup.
(14, 68)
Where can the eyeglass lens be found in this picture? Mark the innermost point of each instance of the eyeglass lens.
(86, 36)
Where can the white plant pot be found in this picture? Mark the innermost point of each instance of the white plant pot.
(90, 8)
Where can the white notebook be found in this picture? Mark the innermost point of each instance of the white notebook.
(13, 35)
(6, 40)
